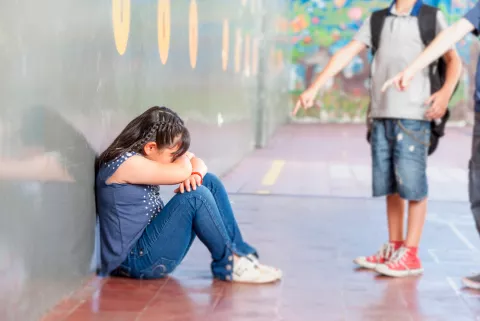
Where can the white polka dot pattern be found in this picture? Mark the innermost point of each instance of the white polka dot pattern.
(151, 199)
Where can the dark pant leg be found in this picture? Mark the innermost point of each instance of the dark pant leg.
(474, 173)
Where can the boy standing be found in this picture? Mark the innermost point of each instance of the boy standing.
(446, 39)
(400, 132)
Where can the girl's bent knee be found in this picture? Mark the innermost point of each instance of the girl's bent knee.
(211, 178)
(201, 192)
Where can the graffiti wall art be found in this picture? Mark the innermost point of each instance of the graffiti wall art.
(319, 28)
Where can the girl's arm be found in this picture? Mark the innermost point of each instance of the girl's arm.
(199, 166)
(191, 183)
(140, 170)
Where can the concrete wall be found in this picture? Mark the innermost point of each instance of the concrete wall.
(73, 73)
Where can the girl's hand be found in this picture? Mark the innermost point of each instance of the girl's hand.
(189, 184)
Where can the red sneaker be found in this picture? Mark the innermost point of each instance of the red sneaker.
(404, 262)
(382, 256)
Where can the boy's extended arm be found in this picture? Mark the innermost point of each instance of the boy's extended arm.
(339, 61)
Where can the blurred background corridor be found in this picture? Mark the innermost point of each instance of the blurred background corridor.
(73, 73)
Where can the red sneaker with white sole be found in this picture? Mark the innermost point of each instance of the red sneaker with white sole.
(404, 262)
(382, 256)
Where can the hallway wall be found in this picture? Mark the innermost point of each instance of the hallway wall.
(73, 73)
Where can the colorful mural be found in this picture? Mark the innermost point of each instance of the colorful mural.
(318, 28)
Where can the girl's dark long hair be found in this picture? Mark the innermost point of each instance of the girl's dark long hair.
(158, 124)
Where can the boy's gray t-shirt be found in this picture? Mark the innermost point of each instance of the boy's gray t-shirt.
(400, 44)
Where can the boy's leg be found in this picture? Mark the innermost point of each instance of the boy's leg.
(417, 212)
(395, 216)
(474, 191)
(410, 167)
(383, 184)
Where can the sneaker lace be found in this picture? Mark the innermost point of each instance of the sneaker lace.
(398, 256)
(385, 251)
(253, 259)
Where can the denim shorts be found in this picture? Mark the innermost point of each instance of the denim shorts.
(399, 158)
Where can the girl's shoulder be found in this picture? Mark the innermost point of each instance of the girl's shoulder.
(107, 169)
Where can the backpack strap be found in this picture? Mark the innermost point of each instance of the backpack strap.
(376, 24)
(427, 23)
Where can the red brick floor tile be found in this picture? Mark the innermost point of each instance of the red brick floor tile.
(169, 315)
(67, 305)
(194, 285)
(55, 316)
(113, 304)
(80, 315)
(196, 302)
(124, 284)
(373, 315)
(118, 294)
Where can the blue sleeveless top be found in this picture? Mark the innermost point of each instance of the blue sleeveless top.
(124, 211)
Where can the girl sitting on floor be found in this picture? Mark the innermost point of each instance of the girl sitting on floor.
(140, 237)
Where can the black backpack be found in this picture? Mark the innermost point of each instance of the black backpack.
(427, 23)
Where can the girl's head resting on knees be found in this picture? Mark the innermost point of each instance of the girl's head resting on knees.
(159, 134)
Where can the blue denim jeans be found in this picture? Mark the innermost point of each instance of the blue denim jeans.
(206, 213)
(399, 158)
(474, 172)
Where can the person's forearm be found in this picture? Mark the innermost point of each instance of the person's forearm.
(182, 167)
(454, 71)
(339, 61)
(443, 42)
(199, 166)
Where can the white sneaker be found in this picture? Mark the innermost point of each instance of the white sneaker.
(245, 271)
(265, 268)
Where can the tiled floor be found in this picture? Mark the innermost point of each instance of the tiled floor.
(334, 160)
(311, 219)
